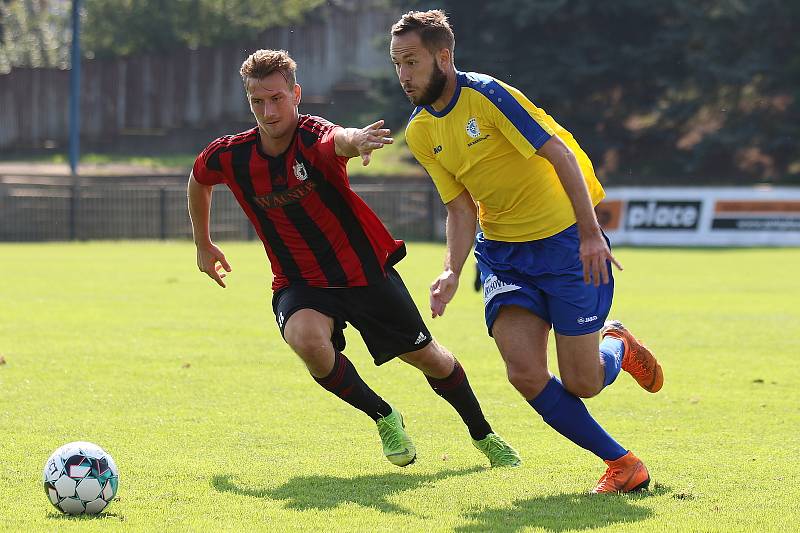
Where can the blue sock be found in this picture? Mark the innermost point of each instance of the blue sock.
(566, 414)
(611, 352)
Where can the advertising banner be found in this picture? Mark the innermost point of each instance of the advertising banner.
(702, 216)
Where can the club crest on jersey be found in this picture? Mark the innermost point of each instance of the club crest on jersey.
(493, 286)
(472, 128)
(300, 171)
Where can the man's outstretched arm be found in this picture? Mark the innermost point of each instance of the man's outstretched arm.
(352, 142)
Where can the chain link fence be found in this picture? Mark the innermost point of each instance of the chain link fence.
(60, 209)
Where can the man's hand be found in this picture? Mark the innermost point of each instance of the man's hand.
(370, 138)
(442, 291)
(211, 260)
(594, 255)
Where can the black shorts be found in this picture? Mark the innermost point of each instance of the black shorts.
(384, 314)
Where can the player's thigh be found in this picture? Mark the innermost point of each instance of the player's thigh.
(521, 337)
(507, 279)
(309, 319)
(579, 363)
(575, 308)
(387, 318)
(309, 333)
(308, 330)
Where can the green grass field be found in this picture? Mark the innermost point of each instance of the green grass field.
(215, 425)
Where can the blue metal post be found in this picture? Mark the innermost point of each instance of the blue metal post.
(162, 203)
(75, 90)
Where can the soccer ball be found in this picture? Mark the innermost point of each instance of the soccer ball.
(80, 477)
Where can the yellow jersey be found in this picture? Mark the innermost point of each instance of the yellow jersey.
(485, 141)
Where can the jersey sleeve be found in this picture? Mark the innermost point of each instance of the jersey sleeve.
(444, 181)
(319, 134)
(207, 168)
(327, 143)
(521, 122)
(327, 148)
(317, 137)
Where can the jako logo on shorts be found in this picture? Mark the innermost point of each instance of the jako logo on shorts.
(492, 286)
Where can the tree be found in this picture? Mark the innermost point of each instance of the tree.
(668, 90)
(37, 33)
(34, 33)
(123, 27)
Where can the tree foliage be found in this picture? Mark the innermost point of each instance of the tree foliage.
(672, 90)
(34, 33)
(123, 27)
(37, 33)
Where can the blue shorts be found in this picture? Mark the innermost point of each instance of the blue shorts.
(544, 276)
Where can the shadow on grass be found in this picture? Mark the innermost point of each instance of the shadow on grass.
(327, 492)
(564, 512)
(101, 516)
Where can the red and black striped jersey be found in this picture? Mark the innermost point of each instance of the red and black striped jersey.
(315, 229)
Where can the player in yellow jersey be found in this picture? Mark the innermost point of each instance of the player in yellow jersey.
(545, 263)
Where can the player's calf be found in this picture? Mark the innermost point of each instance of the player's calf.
(582, 386)
(433, 360)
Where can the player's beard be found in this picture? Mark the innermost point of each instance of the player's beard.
(433, 90)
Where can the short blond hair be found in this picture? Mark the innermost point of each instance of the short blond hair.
(262, 63)
(431, 26)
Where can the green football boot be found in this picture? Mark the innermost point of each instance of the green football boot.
(499, 452)
(397, 445)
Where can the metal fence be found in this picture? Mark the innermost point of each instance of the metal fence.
(55, 210)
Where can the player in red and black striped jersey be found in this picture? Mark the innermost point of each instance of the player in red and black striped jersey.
(315, 229)
(332, 258)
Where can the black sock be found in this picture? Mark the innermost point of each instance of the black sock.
(456, 390)
(345, 383)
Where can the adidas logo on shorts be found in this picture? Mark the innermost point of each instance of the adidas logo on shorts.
(421, 337)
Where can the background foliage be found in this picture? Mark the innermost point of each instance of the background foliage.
(191, 23)
(34, 33)
(686, 89)
(682, 88)
(112, 28)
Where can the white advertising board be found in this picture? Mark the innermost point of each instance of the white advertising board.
(702, 216)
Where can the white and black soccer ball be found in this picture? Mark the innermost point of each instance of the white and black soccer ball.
(80, 477)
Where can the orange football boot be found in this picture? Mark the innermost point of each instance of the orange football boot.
(625, 474)
(637, 359)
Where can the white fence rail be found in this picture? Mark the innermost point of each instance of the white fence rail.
(679, 216)
(65, 211)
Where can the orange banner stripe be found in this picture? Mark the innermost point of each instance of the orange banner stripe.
(609, 214)
(757, 206)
